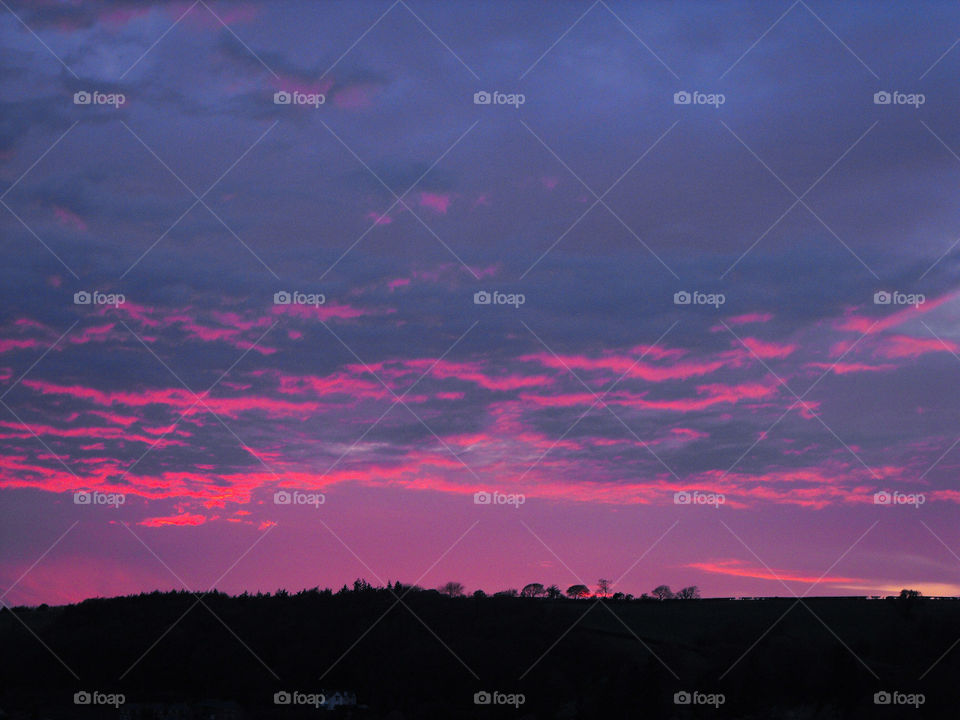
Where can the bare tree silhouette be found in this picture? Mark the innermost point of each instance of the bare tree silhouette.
(452, 589)
(662, 592)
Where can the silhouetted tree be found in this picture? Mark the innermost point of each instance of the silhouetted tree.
(909, 594)
(452, 589)
(578, 591)
(553, 592)
(478, 593)
(533, 590)
(603, 587)
(618, 596)
(662, 592)
(689, 593)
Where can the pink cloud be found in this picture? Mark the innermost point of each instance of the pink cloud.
(906, 346)
(27, 343)
(437, 202)
(379, 219)
(768, 350)
(844, 368)
(68, 218)
(620, 364)
(180, 520)
(689, 433)
(739, 569)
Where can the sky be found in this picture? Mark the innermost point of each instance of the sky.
(287, 302)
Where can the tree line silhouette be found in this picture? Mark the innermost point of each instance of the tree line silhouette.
(575, 592)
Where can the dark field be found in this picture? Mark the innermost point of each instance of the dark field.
(428, 656)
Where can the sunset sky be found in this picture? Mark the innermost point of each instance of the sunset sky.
(794, 197)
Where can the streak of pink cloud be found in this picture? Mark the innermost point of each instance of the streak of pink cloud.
(438, 202)
(68, 218)
(768, 350)
(179, 520)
